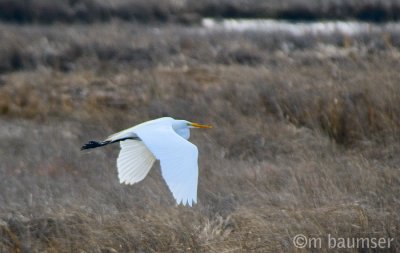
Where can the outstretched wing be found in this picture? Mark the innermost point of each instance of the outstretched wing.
(134, 161)
(178, 159)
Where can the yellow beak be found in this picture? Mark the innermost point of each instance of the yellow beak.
(200, 125)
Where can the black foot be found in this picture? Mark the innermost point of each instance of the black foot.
(94, 144)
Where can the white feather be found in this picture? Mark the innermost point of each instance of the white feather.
(134, 161)
(130, 132)
(177, 156)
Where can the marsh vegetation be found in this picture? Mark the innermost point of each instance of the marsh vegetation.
(305, 138)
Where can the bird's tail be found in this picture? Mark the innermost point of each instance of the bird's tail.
(95, 144)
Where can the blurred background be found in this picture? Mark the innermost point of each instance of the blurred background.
(303, 96)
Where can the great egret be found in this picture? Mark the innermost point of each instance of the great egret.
(164, 139)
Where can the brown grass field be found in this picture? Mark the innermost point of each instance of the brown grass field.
(305, 138)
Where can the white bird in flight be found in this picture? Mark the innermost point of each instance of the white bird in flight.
(164, 139)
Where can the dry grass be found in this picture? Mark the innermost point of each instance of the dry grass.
(305, 140)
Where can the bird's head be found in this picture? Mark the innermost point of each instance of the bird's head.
(182, 127)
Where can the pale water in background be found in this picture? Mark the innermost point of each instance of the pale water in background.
(298, 28)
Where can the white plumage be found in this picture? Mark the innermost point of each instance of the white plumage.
(134, 161)
(164, 139)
